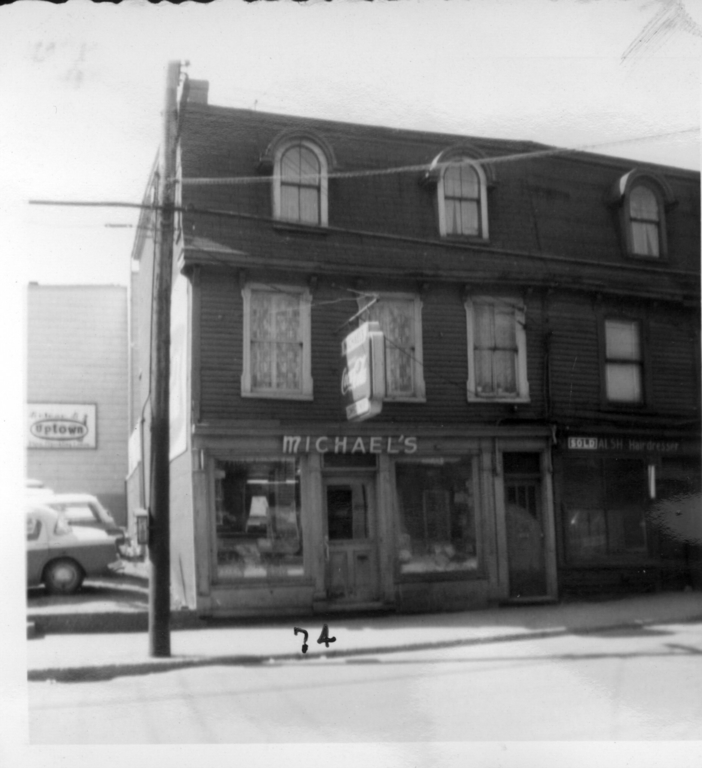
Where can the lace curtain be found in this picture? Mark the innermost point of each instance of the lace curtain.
(276, 341)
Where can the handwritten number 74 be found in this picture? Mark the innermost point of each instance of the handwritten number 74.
(323, 637)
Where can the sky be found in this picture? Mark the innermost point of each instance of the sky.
(82, 89)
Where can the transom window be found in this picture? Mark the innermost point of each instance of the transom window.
(300, 189)
(400, 319)
(623, 361)
(276, 342)
(496, 349)
(644, 220)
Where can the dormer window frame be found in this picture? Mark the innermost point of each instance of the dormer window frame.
(623, 195)
(271, 161)
(436, 176)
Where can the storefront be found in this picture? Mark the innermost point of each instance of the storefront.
(629, 511)
(291, 523)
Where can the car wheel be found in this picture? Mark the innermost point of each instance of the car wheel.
(63, 577)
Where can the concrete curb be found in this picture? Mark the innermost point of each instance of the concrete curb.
(101, 672)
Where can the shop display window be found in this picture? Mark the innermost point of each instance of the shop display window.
(436, 506)
(605, 506)
(257, 507)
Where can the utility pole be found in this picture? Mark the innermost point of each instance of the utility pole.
(159, 488)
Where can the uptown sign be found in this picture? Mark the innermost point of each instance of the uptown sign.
(363, 380)
(61, 425)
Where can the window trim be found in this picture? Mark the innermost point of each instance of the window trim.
(519, 307)
(306, 332)
(322, 187)
(620, 195)
(604, 360)
(484, 232)
(419, 395)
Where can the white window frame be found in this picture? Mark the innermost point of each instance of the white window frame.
(306, 392)
(278, 182)
(484, 233)
(522, 394)
(419, 395)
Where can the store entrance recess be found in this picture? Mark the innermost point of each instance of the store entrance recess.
(526, 551)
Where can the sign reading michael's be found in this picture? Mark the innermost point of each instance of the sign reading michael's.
(363, 381)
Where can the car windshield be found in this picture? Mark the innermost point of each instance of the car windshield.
(77, 511)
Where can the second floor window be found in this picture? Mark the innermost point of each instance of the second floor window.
(623, 361)
(496, 349)
(644, 220)
(300, 193)
(276, 358)
(400, 319)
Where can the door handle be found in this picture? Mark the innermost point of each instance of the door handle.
(326, 548)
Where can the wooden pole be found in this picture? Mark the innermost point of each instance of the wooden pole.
(159, 510)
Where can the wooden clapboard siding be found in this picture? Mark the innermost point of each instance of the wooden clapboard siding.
(575, 361)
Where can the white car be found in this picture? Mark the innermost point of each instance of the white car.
(82, 510)
(60, 556)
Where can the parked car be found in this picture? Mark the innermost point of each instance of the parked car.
(85, 511)
(60, 556)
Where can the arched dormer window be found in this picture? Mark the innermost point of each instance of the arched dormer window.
(300, 162)
(643, 199)
(461, 192)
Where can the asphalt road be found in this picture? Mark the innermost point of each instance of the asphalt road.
(637, 684)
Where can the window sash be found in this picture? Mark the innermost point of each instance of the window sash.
(623, 363)
(461, 201)
(495, 349)
(276, 342)
(300, 186)
(644, 220)
(397, 321)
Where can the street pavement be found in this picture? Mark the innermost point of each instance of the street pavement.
(105, 636)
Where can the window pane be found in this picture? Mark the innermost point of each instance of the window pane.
(258, 520)
(623, 382)
(309, 166)
(290, 164)
(470, 185)
(483, 371)
(437, 517)
(470, 225)
(288, 366)
(453, 223)
(505, 372)
(483, 321)
(643, 204)
(396, 318)
(645, 238)
(505, 335)
(309, 205)
(622, 340)
(276, 342)
(289, 202)
(452, 182)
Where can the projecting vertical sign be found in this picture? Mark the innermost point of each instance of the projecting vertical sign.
(363, 381)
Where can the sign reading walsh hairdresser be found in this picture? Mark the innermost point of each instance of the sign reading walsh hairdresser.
(62, 425)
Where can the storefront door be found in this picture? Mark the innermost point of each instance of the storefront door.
(525, 538)
(351, 554)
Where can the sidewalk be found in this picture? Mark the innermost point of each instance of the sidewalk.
(100, 656)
